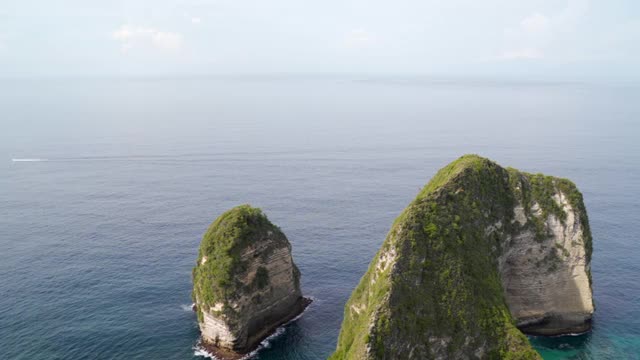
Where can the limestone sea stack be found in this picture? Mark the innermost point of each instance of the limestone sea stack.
(483, 254)
(245, 283)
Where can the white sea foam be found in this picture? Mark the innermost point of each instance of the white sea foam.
(265, 344)
(563, 335)
(187, 307)
(200, 351)
(571, 334)
(28, 160)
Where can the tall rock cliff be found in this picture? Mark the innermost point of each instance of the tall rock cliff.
(545, 267)
(480, 252)
(245, 283)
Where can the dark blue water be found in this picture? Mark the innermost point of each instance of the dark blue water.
(98, 241)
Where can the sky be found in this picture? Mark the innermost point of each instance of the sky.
(545, 38)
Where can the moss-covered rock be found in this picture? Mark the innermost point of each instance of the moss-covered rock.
(440, 287)
(245, 283)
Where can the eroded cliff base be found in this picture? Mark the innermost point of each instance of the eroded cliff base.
(557, 325)
(257, 339)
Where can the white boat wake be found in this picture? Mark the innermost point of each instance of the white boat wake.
(28, 160)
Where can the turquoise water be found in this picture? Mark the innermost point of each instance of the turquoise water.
(99, 236)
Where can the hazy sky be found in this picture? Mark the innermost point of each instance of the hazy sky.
(564, 38)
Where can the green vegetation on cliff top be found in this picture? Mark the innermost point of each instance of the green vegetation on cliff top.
(216, 279)
(445, 295)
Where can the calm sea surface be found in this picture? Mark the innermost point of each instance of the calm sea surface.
(98, 237)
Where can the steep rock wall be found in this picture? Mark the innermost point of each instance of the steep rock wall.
(545, 269)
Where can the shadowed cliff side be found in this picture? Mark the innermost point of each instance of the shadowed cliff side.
(448, 281)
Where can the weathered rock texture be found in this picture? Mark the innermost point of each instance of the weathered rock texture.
(545, 268)
(245, 282)
(481, 251)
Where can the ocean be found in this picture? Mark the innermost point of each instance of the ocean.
(107, 186)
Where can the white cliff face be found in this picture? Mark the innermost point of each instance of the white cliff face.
(215, 330)
(546, 281)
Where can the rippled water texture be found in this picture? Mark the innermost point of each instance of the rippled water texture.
(99, 236)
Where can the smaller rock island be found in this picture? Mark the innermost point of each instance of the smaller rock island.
(245, 283)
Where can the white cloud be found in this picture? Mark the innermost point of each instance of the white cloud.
(137, 36)
(196, 20)
(571, 14)
(167, 40)
(521, 54)
(359, 38)
(529, 39)
(535, 23)
(537, 33)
